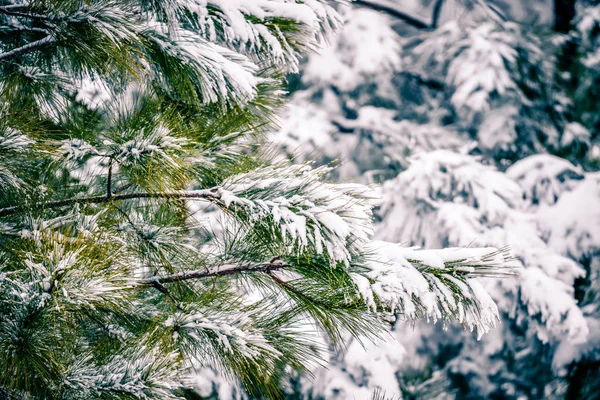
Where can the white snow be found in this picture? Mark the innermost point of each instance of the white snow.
(573, 223)
(544, 177)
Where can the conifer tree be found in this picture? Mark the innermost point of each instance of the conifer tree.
(146, 230)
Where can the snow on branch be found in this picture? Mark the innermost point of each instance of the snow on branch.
(480, 61)
(215, 271)
(13, 140)
(148, 373)
(255, 28)
(217, 72)
(544, 177)
(66, 278)
(10, 55)
(553, 306)
(467, 201)
(215, 48)
(572, 224)
(331, 218)
(420, 195)
(233, 333)
(434, 284)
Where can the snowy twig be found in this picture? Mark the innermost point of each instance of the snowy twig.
(23, 29)
(13, 7)
(38, 44)
(208, 194)
(16, 12)
(222, 270)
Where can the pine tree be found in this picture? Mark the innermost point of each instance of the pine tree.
(146, 230)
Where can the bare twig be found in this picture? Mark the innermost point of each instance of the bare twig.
(109, 179)
(394, 12)
(397, 13)
(158, 286)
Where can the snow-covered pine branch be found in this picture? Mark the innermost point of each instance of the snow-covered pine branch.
(214, 49)
(434, 284)
(253, 28)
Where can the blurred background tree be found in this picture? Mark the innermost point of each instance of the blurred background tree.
(481, 120)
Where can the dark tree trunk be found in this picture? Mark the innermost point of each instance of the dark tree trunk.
(564, 12)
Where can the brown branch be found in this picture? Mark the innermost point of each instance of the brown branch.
(394, 12)
(158, 286)
(109, 179)
(409, 19)
(208, 194)
(222, 270)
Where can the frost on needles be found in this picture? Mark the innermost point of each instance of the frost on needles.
(146, 232)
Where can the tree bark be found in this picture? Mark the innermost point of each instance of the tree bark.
(564, 12)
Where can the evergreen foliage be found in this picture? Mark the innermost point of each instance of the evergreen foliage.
(146, 231)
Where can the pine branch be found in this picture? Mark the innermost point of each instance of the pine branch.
(14, 7)
(16, 11)
(28, 48)
(23, 29)
(222, 270)
(208, 194)
(394, 12)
